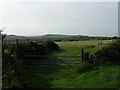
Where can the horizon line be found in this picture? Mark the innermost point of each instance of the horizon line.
(62, 34)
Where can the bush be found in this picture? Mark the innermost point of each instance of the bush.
(11, 68)
(30, 49)
(107, 54)
(39, 48)
(23, 49)
(84, 67)
(50, 45)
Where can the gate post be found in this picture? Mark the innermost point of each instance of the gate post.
(16, 41)
(82, 54)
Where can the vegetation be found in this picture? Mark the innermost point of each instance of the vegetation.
(87, 75)
(13, 58)
(55, 37)
(108, 54)
(101, 72)
(50, 45)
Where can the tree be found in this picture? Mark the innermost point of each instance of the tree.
(115, 37)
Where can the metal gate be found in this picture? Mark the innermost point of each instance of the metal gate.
(50, 64)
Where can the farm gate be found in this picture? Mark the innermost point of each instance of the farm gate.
(50, 64)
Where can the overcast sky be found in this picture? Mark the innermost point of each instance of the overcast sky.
(39, 18)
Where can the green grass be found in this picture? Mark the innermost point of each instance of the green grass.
(93, 79)
(74, 47)
(6, 51)
(104, 77)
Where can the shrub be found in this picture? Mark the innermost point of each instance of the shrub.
(30, 49)
(11, 68)
(109, 54)
(84, 67)
(50, 45)
(23, 49)
(39, 48)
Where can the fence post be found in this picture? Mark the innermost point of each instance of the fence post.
(36, 41)
(82, 54)
(17, 41)
(27, 40)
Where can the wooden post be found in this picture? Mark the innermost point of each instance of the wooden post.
(16, 41)
(82, 54)
(36, 41)
(27, 40)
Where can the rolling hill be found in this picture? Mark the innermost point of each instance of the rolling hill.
(56, 37)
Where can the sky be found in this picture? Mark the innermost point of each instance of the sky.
(79, 18)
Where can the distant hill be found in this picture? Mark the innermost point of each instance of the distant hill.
(15, 37)
(56, 37)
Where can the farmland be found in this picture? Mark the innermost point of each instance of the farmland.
(92, 79)
(74, 47)
(95, 78)
(59, 44)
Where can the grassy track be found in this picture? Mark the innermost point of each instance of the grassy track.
(105, 77)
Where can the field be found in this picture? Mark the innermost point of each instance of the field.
(74, 47)
(103, 77)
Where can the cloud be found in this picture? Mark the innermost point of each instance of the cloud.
(67, 18)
